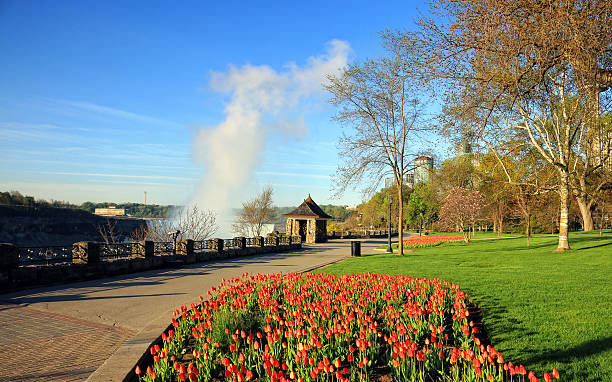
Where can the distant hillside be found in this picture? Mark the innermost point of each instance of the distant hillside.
(132, 209)
(15, 198)
(38, 226)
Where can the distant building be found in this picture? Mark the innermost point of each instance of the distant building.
(389, 182)
(422, 172)
(308, 221)
(110, 211)
(464, 147)
(422, 169)
(409, 180)
(602, 151)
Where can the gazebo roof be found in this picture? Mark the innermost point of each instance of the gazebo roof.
(308, 209)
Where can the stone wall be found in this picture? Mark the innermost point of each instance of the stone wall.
(88, 266)
(321, 231)
(311, 231)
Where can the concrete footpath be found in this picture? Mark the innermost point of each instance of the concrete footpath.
(97, 330)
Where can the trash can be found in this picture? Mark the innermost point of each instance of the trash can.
(355, 248)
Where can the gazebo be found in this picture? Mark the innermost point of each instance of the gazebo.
(308, 221)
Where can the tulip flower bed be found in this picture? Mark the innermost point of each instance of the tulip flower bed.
(307, 327)
(428, 241)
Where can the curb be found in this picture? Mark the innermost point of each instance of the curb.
(121, 364)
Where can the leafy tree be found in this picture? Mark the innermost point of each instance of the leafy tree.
(518, 73)
(337, 212)
(423, 205)
(376, 210)
(457, 172)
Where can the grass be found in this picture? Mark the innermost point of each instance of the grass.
(541, 309)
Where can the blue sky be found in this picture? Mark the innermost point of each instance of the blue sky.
(104, 100)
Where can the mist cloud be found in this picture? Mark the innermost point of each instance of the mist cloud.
(262, 101)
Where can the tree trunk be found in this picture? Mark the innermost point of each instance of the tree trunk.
(585, 213)
(528, 230)
(400, 225)
(563, 211)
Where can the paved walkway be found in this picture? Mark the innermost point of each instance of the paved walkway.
(68, 332)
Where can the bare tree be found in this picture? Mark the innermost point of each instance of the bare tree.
(255, 213)
(107, 231)
(378, 101)
(520, 72)
(192, 222)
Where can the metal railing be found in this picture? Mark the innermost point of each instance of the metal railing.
(228, 243)
(45, 255)
(163, 248)
(201, 246)
(117, 251)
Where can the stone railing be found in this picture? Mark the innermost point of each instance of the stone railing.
(29, 266)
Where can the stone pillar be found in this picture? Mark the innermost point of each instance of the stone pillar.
(259, 241)
(216, 244)
(240, 242)
(87, 252)
(184, 247)
(289, 227)
(143, 248)
(275, 241)
(9, 256)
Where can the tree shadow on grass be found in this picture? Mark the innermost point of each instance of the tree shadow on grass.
(498, 322)
(588, 348)
(569, 355)
(594, 246)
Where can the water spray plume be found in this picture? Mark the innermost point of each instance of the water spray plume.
(261, 101)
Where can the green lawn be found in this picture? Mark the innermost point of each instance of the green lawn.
(542, 309)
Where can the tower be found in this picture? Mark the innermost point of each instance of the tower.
(422, 167)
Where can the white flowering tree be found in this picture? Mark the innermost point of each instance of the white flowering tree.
(461, 209)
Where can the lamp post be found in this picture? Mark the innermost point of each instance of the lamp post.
(389, 248)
